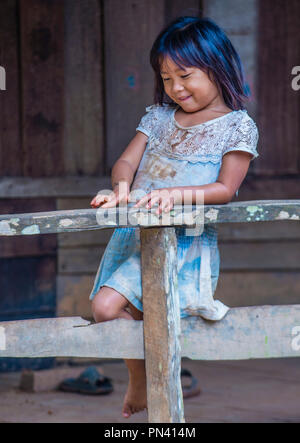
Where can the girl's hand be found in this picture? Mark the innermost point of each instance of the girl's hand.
(120, 194)
(163, 197)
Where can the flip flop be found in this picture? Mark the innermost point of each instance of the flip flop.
(192, 390)
(89, 382)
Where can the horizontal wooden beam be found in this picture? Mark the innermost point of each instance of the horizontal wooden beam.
(263, 188)
(188, 216)
(245, 333)
(60, 187)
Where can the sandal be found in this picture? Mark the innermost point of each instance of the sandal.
(192, 390)
(90, 382)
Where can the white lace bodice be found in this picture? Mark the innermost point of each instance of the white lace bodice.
(206, 142)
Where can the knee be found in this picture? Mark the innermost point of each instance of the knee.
(103, 310)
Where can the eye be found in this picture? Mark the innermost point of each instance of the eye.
(182, 76)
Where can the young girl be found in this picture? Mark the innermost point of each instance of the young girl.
(198, 137)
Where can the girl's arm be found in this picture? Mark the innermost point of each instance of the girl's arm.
(122, 174)
(127, 164)
(234, 168)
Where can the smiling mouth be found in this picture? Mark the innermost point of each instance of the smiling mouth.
(184, 98)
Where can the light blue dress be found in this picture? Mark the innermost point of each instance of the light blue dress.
(178, 156)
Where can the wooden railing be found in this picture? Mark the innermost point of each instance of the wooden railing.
(161, 338)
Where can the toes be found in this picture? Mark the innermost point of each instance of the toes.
(126, 411)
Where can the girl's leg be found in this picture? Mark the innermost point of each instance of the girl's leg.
(108, 304)
(136, 396)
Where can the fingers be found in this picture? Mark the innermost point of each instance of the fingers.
(166, 203)
(101, 199)
(108, 201)
(149, 200)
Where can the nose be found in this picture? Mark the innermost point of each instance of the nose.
(177, 87)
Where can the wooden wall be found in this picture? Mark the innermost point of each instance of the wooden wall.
(260, 264)
(78, 81)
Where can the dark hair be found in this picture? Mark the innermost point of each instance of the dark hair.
(200, 42)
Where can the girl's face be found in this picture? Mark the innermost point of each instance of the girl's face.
(190, 87)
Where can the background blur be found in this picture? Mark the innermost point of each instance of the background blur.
(78, 79)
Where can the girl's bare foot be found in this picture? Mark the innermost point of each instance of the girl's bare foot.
(136, 396)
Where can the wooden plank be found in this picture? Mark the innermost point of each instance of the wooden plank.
(79, 260)
(84, 116)
(128, 74)
(28, 287)
(72, 295)
(85, 238)
(256, 288)
(161, 325)
(74, 203)
(10, 132)
(237, 256)
(245, 333)
(255, 255)
(278, 52)
(262, 231)
(266, 188)
(76, 186)
(189, 216)
(253, 188)
(177, 8)
(74, 336)
(27, 246)
(241, 29)
(41, 29)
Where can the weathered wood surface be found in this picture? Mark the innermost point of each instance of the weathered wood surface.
(240, 256)
(177, 8)
(278, 42)
(263, 231)
(260, 255)
(74, 186)
(256, 288)
(80, 260)
(71, 337)
(188, 216)
(245, 333)
(128, 74)
(253, 188)
(266, 188)
(22, 246)
(161, 325)
(42, 84)
(11, 155)
(83, 73)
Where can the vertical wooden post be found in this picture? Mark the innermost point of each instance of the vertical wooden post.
(161, 325)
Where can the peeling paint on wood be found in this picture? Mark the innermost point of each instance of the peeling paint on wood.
(2, 339)
(212, 214)
(283, 215)
(161, 325)
(66, 222)
(5, 228)
(31, 230)
(89, 219)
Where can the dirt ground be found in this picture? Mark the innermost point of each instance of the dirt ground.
(255, 391)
